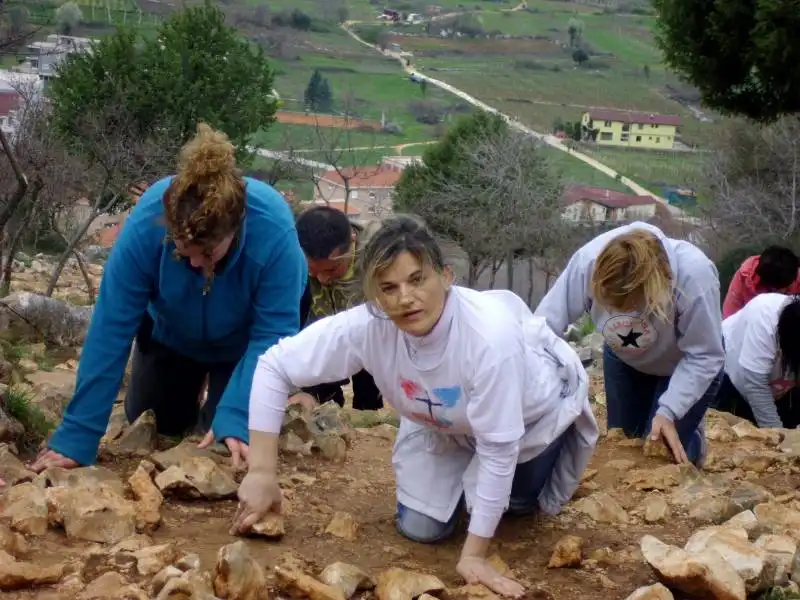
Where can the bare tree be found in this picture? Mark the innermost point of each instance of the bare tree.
(502, 203)
(118, 157)
(347, 149)
(753, 194)
(49, 172)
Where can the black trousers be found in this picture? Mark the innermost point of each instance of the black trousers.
(169, 384)
(366, 395)
(731, 401)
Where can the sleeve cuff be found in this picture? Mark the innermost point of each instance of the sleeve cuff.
(666, 411)
(230, 423)
(75, 443)
(484, 525)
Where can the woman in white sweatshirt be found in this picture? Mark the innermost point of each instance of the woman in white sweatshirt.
(762, 362)
(494, 407)
(656, 302)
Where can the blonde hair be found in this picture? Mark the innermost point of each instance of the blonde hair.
(632, 273)
(205, 201)
(398, 234)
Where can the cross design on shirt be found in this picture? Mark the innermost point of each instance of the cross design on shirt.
(429, 403)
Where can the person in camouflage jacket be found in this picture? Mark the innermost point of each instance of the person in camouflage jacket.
(332, 243)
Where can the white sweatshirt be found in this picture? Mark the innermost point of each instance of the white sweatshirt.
(688, 347)
(472, 375)
(753, 359)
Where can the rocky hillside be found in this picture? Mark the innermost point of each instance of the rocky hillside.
(152, 519)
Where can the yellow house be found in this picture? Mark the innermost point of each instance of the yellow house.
(631, 129)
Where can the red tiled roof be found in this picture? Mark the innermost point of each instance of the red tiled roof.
(629, 116)
(607, 198)
(381, 176)
(9, 100)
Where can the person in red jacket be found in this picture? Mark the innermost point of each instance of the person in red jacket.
(774, 270)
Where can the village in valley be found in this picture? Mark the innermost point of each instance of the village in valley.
(356, 101)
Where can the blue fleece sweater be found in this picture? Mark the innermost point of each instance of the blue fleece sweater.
(253, 302)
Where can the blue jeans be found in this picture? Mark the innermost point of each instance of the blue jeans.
(632, 402)
(529, 480)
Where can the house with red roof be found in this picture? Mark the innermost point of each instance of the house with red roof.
(630, 129)
(598, 205)
(370, 188)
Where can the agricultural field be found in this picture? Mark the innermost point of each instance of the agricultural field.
(525, 69)
(122, 5)
(365, 84)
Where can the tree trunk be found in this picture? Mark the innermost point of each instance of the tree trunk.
(472, 277)
(346, 194)
(493, 275)
(16, 242)
(531, 282)
(81, 262)
(510, 270)
(22, 184)
(73, 243)
(86, 276)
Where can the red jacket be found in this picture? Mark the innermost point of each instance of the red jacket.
(745, 286)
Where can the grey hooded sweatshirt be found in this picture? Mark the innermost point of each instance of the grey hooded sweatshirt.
(690, 349)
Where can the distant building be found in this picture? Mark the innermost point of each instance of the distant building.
(44, 57)
(15, 90)
(9, 103)
(598, 205)
(630, 129)
(370, 188)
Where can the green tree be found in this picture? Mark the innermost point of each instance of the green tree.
(743, 55)
(312, 90)
(318, 96)
(325, 97)
(575, 32)
(580, 56)
(18, 17)
(68, 17)
(194, 69)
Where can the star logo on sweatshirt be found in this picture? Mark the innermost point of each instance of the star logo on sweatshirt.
(629, 334)
(629, 339)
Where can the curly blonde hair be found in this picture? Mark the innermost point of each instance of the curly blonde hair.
(205, 201)
(632, 274)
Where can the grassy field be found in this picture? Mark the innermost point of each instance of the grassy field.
(530, 76)
(364, 83)
(653, 169)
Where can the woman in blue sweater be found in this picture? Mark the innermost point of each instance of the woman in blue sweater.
(206, 275)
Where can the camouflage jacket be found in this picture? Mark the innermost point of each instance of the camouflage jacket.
(347, 292)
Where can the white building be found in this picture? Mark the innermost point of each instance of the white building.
(45, 56)
(599, 205)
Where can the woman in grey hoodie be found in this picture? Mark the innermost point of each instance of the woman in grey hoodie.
(657, 303)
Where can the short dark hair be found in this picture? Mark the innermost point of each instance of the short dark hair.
(788, 340)
(323, 230)
(777, 267)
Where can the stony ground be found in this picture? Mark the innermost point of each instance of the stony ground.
(340, 509)
(151, 520)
